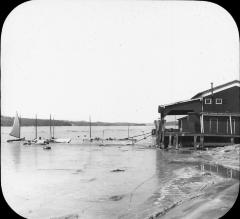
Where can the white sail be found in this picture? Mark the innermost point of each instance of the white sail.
(16, 127)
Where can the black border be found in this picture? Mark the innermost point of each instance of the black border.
(6, 8)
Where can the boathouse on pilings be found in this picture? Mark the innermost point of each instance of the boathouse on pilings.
(210, 118)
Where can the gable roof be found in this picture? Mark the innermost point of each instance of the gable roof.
(180, 102)
(217, 89)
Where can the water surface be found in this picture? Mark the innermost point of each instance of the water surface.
(87, 180)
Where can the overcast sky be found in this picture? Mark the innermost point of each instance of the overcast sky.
(114, 60)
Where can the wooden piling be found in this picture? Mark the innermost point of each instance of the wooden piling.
(202, 141)
(176, 141)
(195, 141)
(170, 141)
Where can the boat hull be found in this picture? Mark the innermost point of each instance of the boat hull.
(18, 139)
(47, 148)
(61, 140)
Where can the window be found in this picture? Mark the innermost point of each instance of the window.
(218, 101)
(208, 101)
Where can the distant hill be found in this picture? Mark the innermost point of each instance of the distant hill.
(8, 121)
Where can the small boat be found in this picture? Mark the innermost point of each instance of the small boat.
(61, 140)
(16, 130)
(47, 148)
(40, 141)
(27, 142)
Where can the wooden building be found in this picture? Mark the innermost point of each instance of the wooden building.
(211, 117)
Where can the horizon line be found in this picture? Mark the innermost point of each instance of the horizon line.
(76, 120)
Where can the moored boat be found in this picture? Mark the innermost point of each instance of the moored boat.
(40, 141)
(61, 140)
(47, 148)
(16, 130)
(52, 138)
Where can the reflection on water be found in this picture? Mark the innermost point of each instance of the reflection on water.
(221, 170)
(15, 151)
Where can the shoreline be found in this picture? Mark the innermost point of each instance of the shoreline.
(215, 202)
(214, 199)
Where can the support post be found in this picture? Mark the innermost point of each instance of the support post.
(176, 141)
(170, 141)
(230, 120)
(210, 125)
(195, 141)
(163, 132)
(202, 123)
(232, 140)
(202, 141)
(159, 133)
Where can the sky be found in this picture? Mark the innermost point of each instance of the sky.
(114, 60)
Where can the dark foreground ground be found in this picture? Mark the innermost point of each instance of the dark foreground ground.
(215, 200)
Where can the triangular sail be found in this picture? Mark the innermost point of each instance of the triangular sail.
(16, 127)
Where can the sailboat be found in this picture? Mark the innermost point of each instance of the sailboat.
(56, 140)
(38, 140)
(16, 130)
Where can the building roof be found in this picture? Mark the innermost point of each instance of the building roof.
(181, 107)
(183, 101)
(217, 89)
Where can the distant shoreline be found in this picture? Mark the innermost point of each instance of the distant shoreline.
(78, 125)
(7, 121)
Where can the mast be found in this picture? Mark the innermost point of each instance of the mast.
(90, 128)
(53, 127)
(128, 130)
(50, 128)
(19, 126)
(36, 127)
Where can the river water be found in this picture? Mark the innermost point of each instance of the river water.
(79, 179)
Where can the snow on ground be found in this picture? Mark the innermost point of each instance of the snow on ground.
(227, 156)
(211, 197)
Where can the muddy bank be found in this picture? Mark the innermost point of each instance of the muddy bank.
(227, 156)
(188, 183)
(214, 203)
(216, 195)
